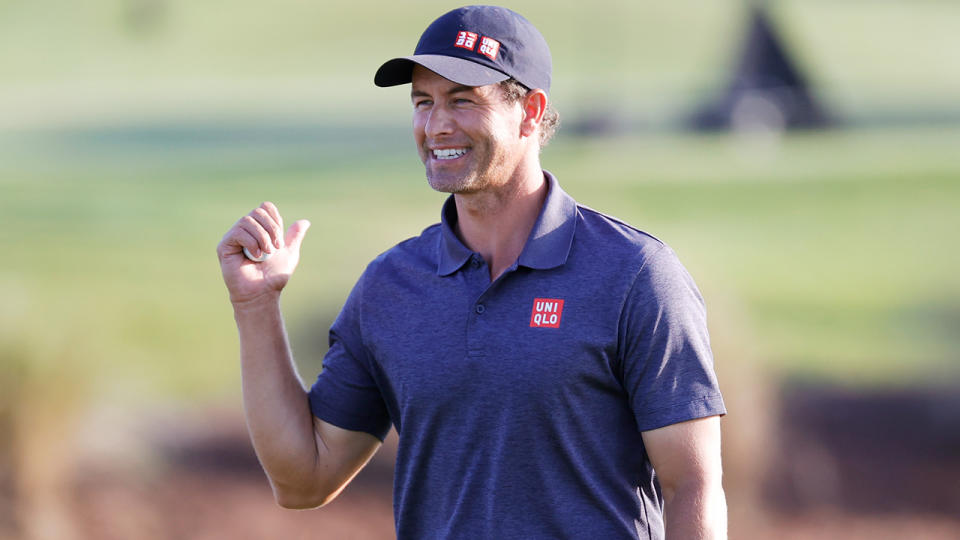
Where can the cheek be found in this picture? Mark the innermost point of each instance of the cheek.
(504, 134)
(506, 126)
(418, 125)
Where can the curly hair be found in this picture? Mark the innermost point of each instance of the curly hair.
(514, 91)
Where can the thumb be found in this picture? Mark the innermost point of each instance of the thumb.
(296, 232)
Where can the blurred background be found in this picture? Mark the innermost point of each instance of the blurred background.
(802, 158)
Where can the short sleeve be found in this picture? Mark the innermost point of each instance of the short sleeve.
(665, 357)
(345, 393)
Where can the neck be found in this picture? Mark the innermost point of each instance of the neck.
(497, 223)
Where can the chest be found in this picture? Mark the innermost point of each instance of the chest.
(528, 340)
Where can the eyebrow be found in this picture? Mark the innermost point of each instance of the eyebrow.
(454, 90)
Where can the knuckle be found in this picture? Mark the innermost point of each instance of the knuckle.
(267, 220)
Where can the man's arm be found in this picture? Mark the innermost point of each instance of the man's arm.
(307, 460)
(686, 458)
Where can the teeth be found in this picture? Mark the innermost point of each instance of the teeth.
(449, 153)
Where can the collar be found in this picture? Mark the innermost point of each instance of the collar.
(547, 246)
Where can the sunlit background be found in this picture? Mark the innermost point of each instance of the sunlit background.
(133, 133)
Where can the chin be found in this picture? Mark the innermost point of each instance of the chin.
(446, 184)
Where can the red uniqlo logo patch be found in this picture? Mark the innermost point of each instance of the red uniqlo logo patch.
(489, 47)
(466, 40)
(546, 313)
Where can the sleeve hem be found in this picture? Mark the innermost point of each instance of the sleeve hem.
(348, 421)
(702, 407)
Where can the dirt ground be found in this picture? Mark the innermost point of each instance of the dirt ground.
(834, 476)
(210, 505)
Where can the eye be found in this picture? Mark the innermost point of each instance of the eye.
(421, 103)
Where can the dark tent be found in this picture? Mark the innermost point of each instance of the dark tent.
(767, 90)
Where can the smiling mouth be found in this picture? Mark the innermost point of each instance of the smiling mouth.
(448, 153)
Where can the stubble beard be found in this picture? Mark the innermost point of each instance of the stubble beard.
(447, 183)
(470, 179)
(481, 174)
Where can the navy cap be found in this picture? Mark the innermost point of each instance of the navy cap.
(476, 46)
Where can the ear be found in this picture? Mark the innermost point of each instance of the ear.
(534, 106)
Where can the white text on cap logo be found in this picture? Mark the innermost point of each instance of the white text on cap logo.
(489, 47)
(466, 40)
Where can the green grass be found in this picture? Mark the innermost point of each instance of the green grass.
(836, 246)
(125, 154)
(68, 62)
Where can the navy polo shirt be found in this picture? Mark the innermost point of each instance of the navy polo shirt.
(520, 402)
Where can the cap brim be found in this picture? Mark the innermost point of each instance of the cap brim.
(458, 70)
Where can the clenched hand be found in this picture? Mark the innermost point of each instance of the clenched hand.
(260, 231)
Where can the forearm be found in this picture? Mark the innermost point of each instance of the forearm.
(696, 512)
(277, 410)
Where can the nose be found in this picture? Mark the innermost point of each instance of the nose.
(439, 122)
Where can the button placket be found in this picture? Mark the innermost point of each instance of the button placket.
(476, 320)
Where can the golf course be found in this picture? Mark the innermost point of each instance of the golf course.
(134, 133)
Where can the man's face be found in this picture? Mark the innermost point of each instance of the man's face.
(468, 137)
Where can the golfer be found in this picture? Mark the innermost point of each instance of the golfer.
(547, 367)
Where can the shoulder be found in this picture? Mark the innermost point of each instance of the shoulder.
(650, 265)
(418, 252)
(616, 240)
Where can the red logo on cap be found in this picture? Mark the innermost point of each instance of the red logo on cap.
(466, 40)
(546, 313)
(489, 47)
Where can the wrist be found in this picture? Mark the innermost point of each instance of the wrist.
(267, 301)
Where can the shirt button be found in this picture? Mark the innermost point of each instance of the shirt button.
(475, 261)
(480, 309)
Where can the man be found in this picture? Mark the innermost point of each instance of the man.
(547, 367)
